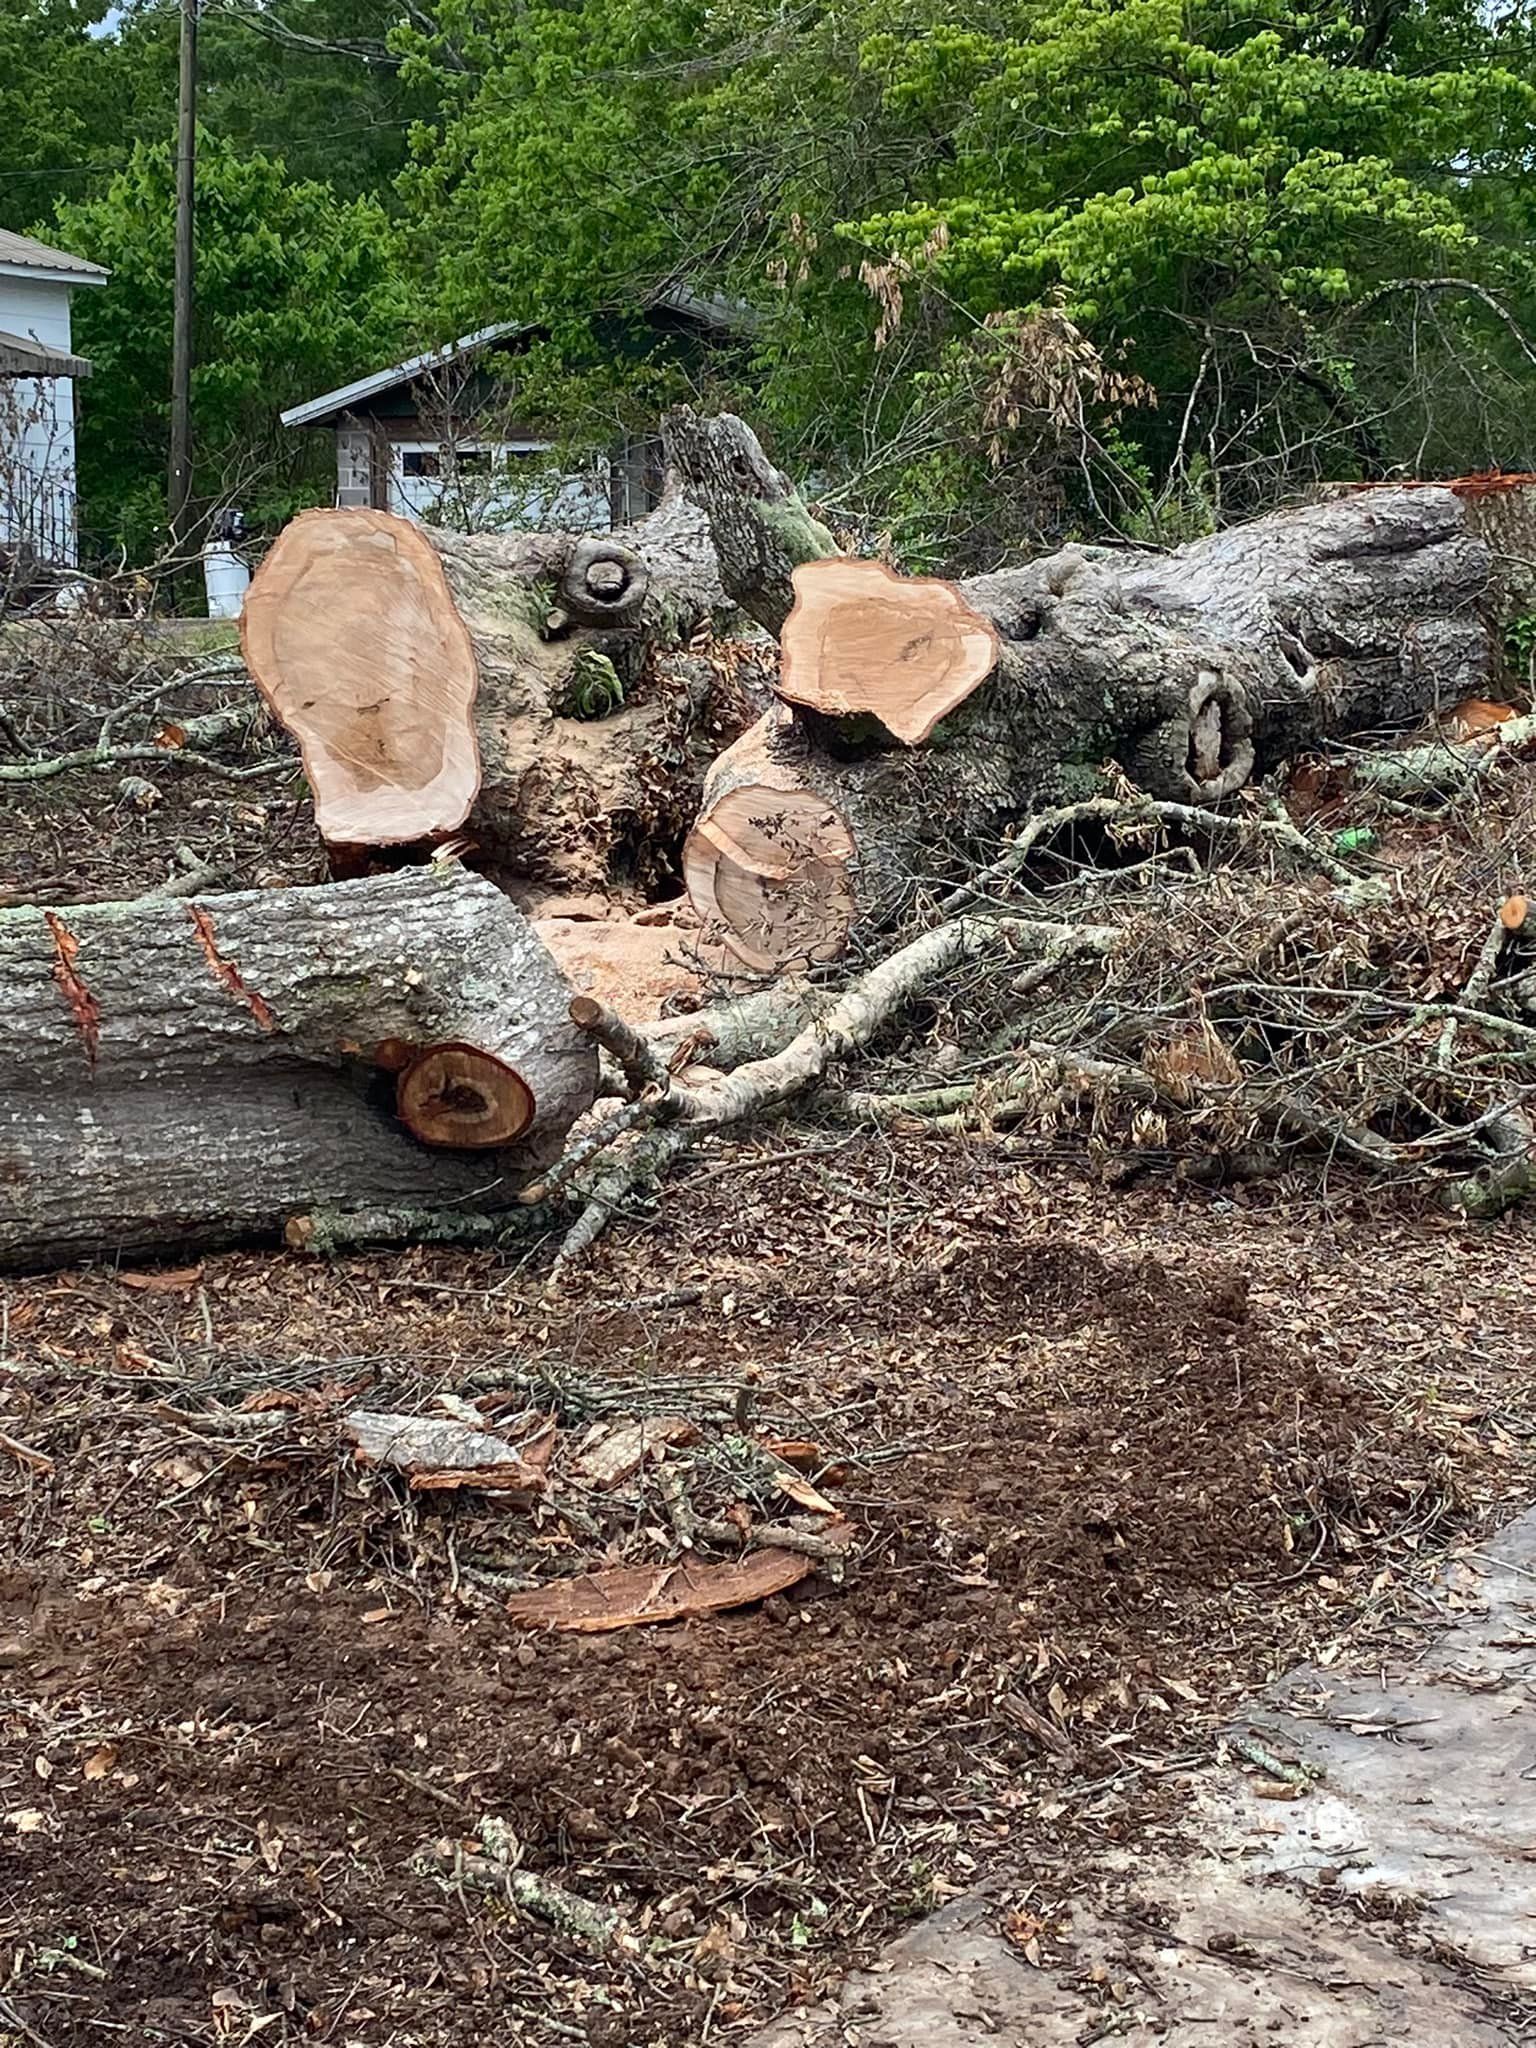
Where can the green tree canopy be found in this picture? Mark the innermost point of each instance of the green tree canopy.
(296, 290)
(1142, 262)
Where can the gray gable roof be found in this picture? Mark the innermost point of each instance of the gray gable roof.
(20, 252)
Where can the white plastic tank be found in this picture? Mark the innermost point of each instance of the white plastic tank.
(227, 576)
(226, 573)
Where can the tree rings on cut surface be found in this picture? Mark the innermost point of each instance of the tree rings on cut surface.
(863, 641)
(767, 870)
(352, 636)
(462, 1097)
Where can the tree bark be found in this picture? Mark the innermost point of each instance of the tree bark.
(187, 1074)
(551, 694)
(1192, 671)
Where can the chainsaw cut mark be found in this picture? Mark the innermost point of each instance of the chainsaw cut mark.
(83, 1006)
(226, 973)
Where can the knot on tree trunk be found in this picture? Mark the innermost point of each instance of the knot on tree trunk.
(603, 584)
(1205, 751)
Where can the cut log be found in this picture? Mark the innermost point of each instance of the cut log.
(351, 635)
(556, 696)
(767, 862)
(1189, 671)
(904, 651)
(179, 1075)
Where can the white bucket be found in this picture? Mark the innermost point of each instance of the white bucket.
(227, 577)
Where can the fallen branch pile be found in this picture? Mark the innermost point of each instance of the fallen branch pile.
(1022, 856)
(1230, 1017)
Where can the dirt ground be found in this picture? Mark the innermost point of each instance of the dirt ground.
(1109, 1457)
(1110, 1460)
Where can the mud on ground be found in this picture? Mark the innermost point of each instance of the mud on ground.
(1107, 1468)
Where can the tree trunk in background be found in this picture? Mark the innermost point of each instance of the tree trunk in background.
(581, 670)
(186, 1074)
(1192, 671)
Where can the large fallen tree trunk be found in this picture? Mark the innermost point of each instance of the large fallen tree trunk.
(552, 695)
(182, 1074)
(1191, 671)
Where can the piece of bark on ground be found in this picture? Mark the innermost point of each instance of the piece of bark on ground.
(1191, 670)
(183, 1075)
(638, 1596)
(441, 1453)
(615, 1451)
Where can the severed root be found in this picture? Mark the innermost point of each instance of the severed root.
(566, 1911)
(330, 1232)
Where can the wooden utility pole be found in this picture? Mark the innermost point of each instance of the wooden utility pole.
(181, 342)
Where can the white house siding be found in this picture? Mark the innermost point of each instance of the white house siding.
(37, 426)
(509, 488)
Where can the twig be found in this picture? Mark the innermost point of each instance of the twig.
(598, 1926)
(28, 2032)
(327, 1233)
(646, 1160)
(1479, 981)
(641, 1064)
(168, 757)
(605, 1132)
(1144, 810)
(688, 1527)
(1252, 1751)
(427, 1789)
(35, 1461)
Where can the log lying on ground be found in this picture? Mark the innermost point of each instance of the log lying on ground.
(538, 690)
(186, 1074)
(1193, 671)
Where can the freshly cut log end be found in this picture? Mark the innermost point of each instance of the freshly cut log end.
(865, 642)
(768, 871)
(351, 635)
(204, 1072)
(464, 1098)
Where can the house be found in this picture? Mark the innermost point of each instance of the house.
(438, 438)
(38, 374)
